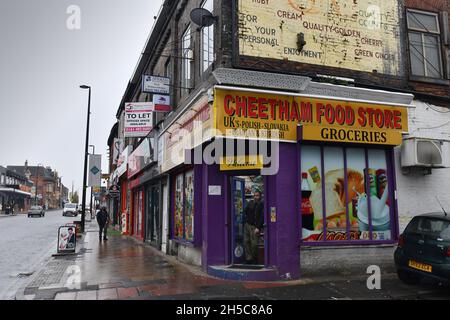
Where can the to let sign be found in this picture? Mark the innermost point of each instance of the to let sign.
(138, 119)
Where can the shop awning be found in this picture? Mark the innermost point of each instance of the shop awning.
(15, 191)
(258, 79)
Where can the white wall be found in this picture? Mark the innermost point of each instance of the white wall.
(417, 192)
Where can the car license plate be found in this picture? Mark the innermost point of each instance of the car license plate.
(420, 266)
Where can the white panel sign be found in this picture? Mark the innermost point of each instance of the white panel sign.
(152, 84)
(214, 190)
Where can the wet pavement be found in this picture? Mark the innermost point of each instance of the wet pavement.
(123, 268)
(24, 243)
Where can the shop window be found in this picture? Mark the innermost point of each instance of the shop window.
(312, 200)
(184, 206)
(345, 194)
(178, 214)
(207, 40)
(189, 206)
(335, 195)
(424, 44)
(186, 61)
(379, 195)
(356, 167)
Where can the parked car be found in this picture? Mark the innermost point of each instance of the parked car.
(36, 211)
(424, 249)
(70, 209)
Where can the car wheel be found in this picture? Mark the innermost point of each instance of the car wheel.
(28, 216)
(407, 277)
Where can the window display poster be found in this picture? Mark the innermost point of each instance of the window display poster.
(189, 206)
(178, 215)
(353, 194)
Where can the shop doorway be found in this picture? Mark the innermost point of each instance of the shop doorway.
(152, 233)
(247, 246)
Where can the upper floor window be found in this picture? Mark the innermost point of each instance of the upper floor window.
(186, 60)
(207, 40)
(424, 44)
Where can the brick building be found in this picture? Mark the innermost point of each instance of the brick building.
(49, 189)
(15, 192)
(358, 93)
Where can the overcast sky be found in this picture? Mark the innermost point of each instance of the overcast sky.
(42, 64)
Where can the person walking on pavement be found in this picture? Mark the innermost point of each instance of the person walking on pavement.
(103, 221)
(254, 222)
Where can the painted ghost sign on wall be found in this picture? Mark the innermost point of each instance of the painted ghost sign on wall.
(359, 35)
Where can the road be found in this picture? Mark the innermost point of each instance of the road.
(25, 243)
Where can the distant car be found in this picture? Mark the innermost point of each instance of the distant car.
(36, 211)
(70, 209)
(424, 249)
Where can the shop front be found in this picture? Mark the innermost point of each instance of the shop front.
(119, 183)
(15, 199)
(259, 176)
(144, 183)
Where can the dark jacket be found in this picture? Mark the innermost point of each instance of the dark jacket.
(254, 214)
(102, 217)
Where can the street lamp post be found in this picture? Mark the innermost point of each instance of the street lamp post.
(83, 201)
(92, 188)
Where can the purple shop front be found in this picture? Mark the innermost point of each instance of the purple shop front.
(324, 194)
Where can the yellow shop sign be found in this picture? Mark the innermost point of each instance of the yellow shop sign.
(248, 162)
(333, 134)
(243, 114)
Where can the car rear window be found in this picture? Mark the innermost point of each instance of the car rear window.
(434, 227)
(71, 206)
(35, 208)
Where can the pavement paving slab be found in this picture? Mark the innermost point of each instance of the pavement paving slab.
(123, 268)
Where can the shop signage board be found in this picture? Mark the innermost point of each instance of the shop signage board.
(190, 130)
(142, 156)
(247, 162)
(254, 114)
(117, 149)
(122, 164)
(114, 191)
(361, 35)
(138, 119)
(153, 84)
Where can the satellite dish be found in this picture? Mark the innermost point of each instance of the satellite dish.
(202, 17)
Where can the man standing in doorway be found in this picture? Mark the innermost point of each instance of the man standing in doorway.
(254, 222)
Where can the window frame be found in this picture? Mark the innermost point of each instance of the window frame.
(424, 32)
(205, 65)
(186, 62)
